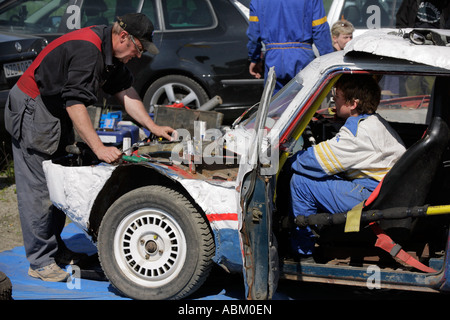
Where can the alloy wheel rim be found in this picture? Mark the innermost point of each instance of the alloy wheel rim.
(150, 247)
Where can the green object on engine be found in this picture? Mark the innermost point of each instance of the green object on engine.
(134, 159)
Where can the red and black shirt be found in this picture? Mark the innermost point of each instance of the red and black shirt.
(72, 68)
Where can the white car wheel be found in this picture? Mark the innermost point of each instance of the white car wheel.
(150, 247)
(153, 243)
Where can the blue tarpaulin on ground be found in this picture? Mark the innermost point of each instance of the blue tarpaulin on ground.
(15, 265)
(220, 285)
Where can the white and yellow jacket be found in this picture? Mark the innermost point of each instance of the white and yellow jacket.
(365, 148)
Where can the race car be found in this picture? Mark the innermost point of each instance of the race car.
(171, 209)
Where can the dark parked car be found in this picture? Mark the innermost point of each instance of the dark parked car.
(202, 45)
(17, 51)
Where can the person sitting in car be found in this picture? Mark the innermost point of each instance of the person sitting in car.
(337, 174)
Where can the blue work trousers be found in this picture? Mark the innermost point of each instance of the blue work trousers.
(328, 195)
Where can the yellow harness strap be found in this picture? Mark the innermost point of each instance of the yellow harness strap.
(354, 218)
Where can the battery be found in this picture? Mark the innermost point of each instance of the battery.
(115, 137)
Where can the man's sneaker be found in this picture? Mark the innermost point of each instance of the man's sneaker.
(51, 273)
(66, 256)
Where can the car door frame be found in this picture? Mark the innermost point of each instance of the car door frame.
(258, 245)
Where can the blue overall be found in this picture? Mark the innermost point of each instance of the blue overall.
(287, 28)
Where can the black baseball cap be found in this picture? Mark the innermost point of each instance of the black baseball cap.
(140, 27)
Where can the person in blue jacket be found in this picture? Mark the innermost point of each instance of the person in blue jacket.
(287, 29)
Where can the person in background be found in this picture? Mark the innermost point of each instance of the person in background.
(341, 33)
(430, 14)
(423, 14)
(287, 29)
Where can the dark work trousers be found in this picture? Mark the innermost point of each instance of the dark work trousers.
(33, 141)
(41, 222)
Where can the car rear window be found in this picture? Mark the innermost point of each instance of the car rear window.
(405, 99)
(187, 14)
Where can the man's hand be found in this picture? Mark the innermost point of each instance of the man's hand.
(82, 123)
(135, 108)
(164, 132)
(108, 154)
(256, 69)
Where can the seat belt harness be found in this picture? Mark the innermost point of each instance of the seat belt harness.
(395, 250)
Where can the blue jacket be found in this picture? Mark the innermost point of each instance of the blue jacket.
(288, 28)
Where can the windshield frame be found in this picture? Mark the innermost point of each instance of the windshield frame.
(278, 104)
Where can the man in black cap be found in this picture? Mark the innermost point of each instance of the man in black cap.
(48, 101)
(139, 26)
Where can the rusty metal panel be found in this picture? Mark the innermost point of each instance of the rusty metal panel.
(183, 118)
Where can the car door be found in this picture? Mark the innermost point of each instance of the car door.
(258, 245)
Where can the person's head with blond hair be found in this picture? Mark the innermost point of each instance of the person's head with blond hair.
(341, 33)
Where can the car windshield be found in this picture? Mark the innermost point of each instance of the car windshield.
(43, 16)
(278, 104)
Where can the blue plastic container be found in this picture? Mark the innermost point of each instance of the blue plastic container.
(115, 137)
(110, 120)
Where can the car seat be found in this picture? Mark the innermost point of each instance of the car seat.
(94, 13)
(201, 16)
(353, 14)
(409, 181)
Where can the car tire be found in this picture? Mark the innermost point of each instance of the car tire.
(5, 287)
(175, 89)
(154, 244)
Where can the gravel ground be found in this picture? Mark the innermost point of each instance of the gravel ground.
(10, 230)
